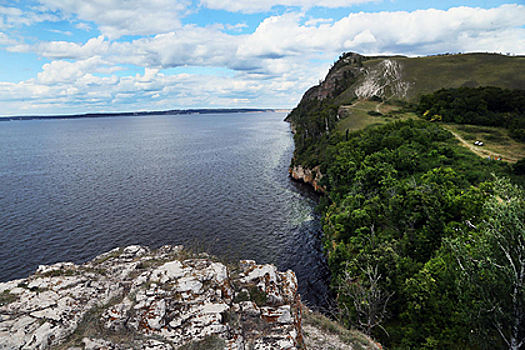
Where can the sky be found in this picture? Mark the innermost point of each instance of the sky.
(79, 56)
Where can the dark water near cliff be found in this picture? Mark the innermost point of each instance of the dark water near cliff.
(72, 189)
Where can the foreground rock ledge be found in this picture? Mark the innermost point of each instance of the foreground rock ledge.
(134, 298)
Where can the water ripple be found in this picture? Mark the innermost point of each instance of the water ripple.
(72, 189)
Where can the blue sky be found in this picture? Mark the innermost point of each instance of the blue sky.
(76, 56)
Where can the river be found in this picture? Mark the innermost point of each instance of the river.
(72, 189)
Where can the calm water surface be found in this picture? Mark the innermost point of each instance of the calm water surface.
(72, 189)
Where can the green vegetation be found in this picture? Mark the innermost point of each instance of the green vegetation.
(319, 112)
(428, 74)
(313, 122)
(253, 294)
(398, 191)
(60, 272)
(493, 270)
(497, 141)
(6, 297)
(363, 114)
(487, 106)
(212, 342)
(409, 211)
(109, 255)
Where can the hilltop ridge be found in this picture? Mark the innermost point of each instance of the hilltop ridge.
(355, 78)
(407, 78)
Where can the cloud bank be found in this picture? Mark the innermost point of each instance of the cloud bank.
(145, 57)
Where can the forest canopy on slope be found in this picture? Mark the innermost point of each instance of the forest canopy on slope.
(425, 240)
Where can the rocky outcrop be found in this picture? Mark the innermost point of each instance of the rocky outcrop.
(134, 298)
(309, 176)
(383, 80)
(339, 77)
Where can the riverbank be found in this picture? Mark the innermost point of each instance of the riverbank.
(218, 183)
(142, 113)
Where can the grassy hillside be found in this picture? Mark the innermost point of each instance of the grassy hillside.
(364, 114)
(428, 74)
(425, 75)
(357, 85)
(407, 198)
(496, 141)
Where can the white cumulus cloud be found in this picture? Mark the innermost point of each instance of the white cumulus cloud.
(63, 72)
(12, 16)
(253, 6)
(66, 49)
(414, 33)
(271, 67)
(124, 17)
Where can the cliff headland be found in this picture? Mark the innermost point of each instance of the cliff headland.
(164, 299)
(134, 298)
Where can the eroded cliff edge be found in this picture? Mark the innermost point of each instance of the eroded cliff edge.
(309, 176)
(136, 298)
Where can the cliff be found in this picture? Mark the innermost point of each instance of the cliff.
(309, 176)
(134, 298)
(165, 299)
(407, 78)
(391, 176)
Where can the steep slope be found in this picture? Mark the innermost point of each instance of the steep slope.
(383, 80)
(400, 188)
(131, 298)
(164, 299)
(354, 77)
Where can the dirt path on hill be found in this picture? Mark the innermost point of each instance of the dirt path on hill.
(484, 153)
(354, 105)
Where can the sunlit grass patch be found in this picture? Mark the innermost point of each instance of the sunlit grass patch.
(496, 140)
(363, 114)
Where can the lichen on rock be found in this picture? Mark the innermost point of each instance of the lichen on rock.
(136, 298)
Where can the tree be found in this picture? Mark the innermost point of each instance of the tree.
(493, 265)
(368, 301)
(519, 167)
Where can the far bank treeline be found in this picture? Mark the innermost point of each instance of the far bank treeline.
(425, 240)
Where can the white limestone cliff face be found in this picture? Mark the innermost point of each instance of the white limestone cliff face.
(383, 80)
(134, 298)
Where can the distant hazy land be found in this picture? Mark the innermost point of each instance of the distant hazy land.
(143, 113)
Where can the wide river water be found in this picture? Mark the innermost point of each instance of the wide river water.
(73, 189)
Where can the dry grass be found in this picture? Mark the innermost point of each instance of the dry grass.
(497, 141)
(91, 326)
(6, 297)
(357, 117)
(208, 343)
(350, 337)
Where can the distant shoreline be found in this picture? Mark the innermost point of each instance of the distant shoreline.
(144, 113)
